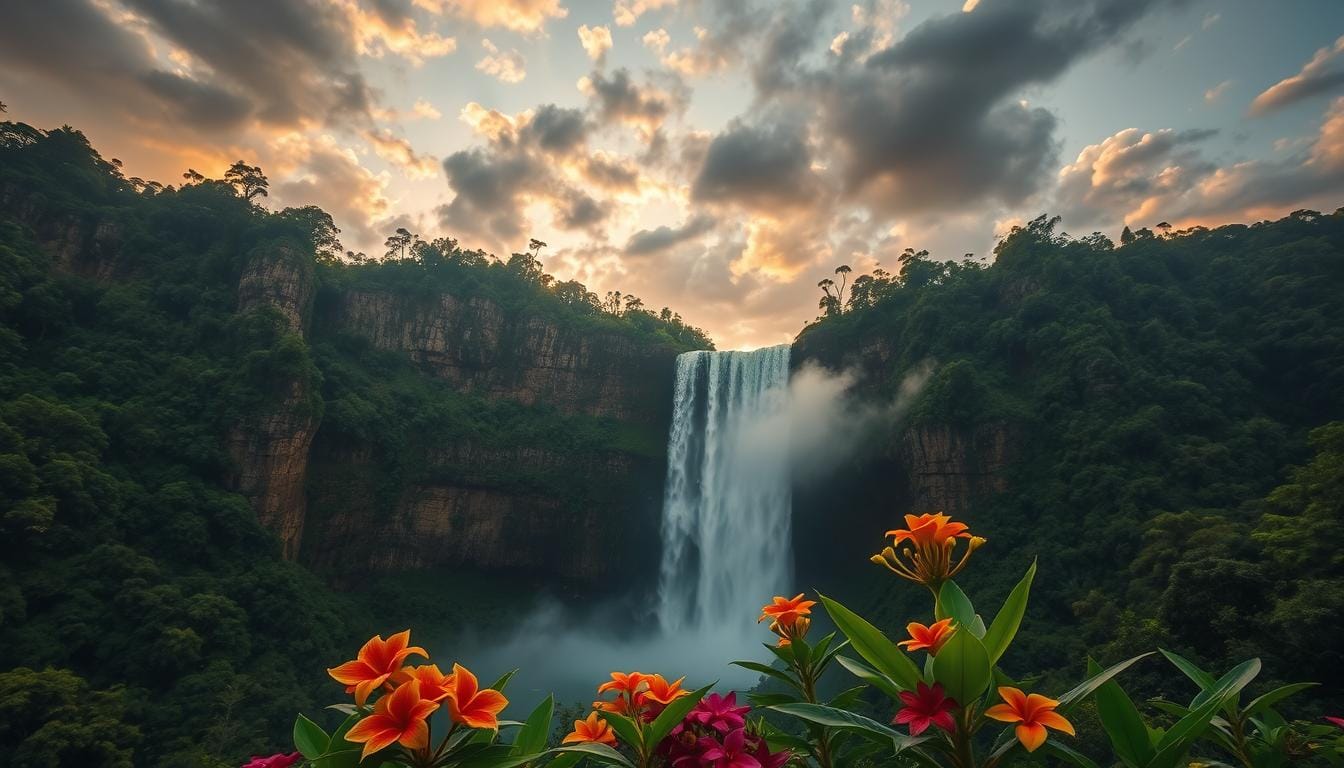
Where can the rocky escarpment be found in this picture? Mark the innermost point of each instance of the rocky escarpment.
(270, 447)
(480, 347)
(83, 243)
(480, 507)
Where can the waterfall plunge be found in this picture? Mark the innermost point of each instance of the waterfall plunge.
(726, 530)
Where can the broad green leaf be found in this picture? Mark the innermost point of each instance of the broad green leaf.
(783, 653)
(844, 720)
(819, 649)
(1006, 622)
(532, 738)
(830, 656)
(870, 676)
(873, 646)
(1121, 719)
(600, 752)
(346, 758)
(802, 652)
(496, 756)
(847, 699)
(953, 603)
(1203, 679)
(1092, 683)
(625, 730)
(1274, 697)
(1068, 754)
(503, 680)
(309, 738)
(1177, 739)
(1232, 674)
(673, 714)
(566, 760)
(770, 671)
(962, 666)
(767, 699)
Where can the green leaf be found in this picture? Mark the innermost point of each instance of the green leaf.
(1121, 719)
(503, 680)
(309, 738)
(346, 758)
(770, 671)
(870, 676)
(567, 760)
(768, 699)
(954, 603)
(625, 730)
(1203, 679)
(673, 714)
(843, 720)
(532, 738)
(873, 646)
(496, 756)
(1068, 754)
(1009, 618)
(1232, 674)
(962, 666)
(1174, 743)
(1083, 689)
(847, 699)
(1274, 697)
(599, 752)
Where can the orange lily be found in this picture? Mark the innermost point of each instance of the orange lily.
(620, 706)
(663, 692)
(931, 637)
(1033, 714)
(378, 660)
(397, 718)
(434, 685)
(787, 634)
(468, 704)
(624, 683)
(593, 730)
(786, 611)
(922, 552)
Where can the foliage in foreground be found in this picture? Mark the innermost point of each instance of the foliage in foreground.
(958, 709)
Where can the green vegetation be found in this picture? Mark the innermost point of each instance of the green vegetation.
(140, 601)
(1156, 399)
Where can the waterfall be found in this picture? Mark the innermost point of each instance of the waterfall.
(726, 530)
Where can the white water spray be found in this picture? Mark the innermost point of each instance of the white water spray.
(726, 530)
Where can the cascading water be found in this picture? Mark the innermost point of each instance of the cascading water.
(726, 530)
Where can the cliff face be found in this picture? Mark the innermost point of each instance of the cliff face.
(83, 244)
(270, 448)
(477, 346)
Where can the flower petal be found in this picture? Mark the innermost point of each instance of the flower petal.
(1031, 735)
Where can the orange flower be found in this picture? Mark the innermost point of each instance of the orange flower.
(468, 704)
(397, 717)
(786, 611)
(930, 530)
(663, 692)
(377, 661)
(923, 552)
(624, 683)
(787, 634)
(434, 685)
(620, 706)
(1033, 714)
(594, 730)
(931, 637)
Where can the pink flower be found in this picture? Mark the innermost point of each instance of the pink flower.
(732, 753)
(719, 712)
(925, 706)
(274, 761)
(1338, 721)
(769, 759)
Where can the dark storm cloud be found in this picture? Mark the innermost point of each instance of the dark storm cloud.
(556, 129)
(933, 120)
(618, 99)
(488, 186)
(579, 210)
(647, 241)
(282, 62)
(758, 166)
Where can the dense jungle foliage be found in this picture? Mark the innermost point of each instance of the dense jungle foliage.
(140, 601)
(1171, 407)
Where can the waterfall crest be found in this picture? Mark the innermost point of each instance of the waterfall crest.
(726, 531)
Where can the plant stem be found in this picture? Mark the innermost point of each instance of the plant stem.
(810, 693)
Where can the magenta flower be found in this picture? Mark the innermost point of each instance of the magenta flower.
(925, 706)
(719, 712)
(274, 761)
(769, 759)
(1338, 721)
(732, 753)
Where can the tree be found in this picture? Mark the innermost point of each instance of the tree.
(193, 176)
(829, 304)
(1126, 236)
(248, 180)
(319, 227)
(398, 243)
(843, 271)
(1164, 228)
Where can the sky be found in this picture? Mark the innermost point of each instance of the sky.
(716, 156)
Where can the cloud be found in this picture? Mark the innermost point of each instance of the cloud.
(627, 12)
(319, 171)
(1321, 75)
(617, 99)
(524, 16)
(507, 67)
(596, 41)
(651, 241)
(1140, 178)
(1213, 94)
(424, 109)
(762, 167)
(398, 151)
